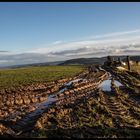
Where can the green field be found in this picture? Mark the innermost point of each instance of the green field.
(26, 76)
(135, 68)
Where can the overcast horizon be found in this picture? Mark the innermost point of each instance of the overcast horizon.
(39, 32)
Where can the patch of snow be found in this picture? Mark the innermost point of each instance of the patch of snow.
(121, 68)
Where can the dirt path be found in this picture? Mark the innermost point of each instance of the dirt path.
(108, 87)
(69, 91)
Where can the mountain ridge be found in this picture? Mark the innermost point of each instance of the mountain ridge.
(77, 61)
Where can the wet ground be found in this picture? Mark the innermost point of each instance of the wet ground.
(107, 90)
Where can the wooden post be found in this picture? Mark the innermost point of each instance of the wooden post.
(137, 63)
(119, 59)
(128, 62)
(109, 60)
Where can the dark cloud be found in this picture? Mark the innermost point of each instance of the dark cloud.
(130, 46)
(65, 52)
(28, 58)
(132, 51)
(136, 46)
(3, 51)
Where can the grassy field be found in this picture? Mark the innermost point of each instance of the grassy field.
(134, 68)
(25, 76)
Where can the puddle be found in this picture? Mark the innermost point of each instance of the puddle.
(42, 106)
(69, 83)
(117, 83)
(62, 90)
(12, 116)
(101, 69)
(105, 85)
(39, 109)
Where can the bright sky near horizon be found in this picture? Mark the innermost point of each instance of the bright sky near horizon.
(68, 29)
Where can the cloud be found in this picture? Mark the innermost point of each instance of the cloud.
(108, 40)
(3, 51)
(28, 58)
(70, 52)
(57, 42)
(110, 44)
(3, 61)
(116, 34)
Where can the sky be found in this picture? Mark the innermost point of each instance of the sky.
(34, 32)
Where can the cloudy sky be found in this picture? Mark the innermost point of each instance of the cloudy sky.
(44, 32)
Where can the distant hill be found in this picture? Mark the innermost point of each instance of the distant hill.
(133, 58)
(84, 61)
(99, 61)
(36, 64)
(78, 61)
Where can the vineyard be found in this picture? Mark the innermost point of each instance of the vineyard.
(105, 103)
